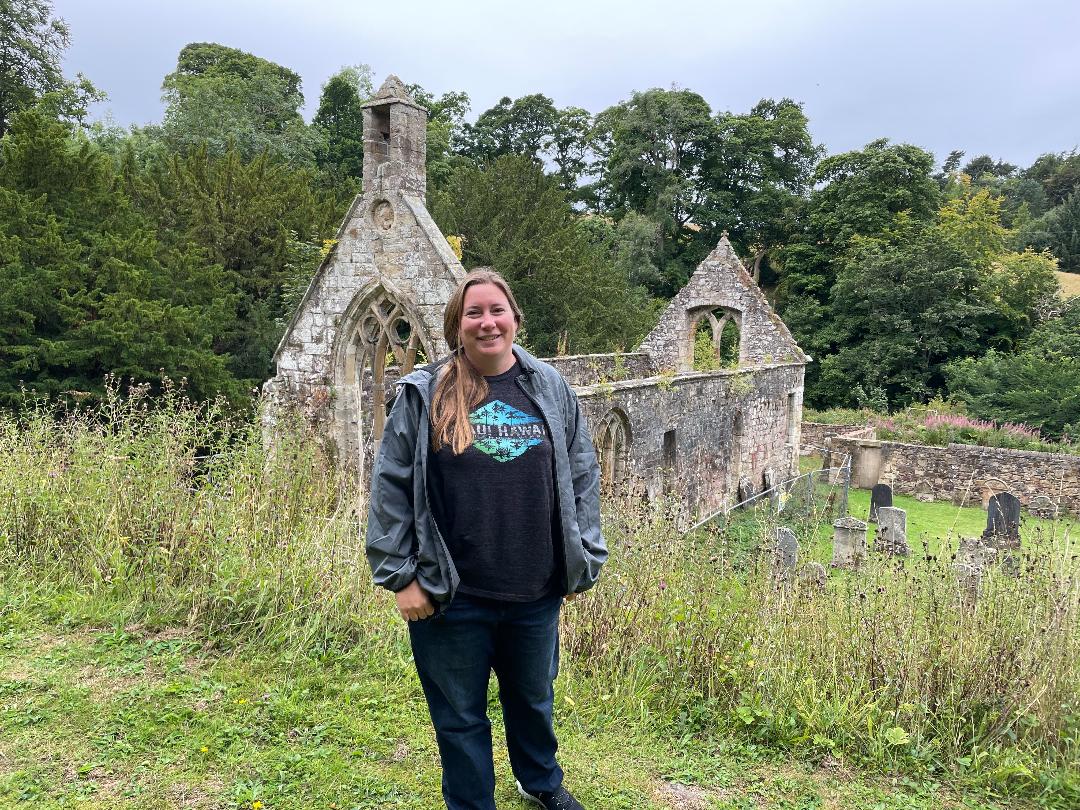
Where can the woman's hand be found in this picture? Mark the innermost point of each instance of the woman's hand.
(413, 603)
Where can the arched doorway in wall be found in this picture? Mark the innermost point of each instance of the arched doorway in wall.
(384, 341)
(715, 336)
(613, 449)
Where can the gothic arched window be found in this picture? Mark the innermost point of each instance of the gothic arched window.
(715, 339)
(613, 449)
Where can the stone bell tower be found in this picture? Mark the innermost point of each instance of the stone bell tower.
(395, 142)
(374, 307)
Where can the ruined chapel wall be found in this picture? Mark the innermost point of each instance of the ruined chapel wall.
(387, 242)
(400, 258)
(958, 472)
(702, 410)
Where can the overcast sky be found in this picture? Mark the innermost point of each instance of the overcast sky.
(991, 76)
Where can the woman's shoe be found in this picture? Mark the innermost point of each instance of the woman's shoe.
(561, 799)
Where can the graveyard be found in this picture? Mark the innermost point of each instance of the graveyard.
(243, 657)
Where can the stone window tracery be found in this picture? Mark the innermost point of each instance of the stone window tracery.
(385, 346)
(715, 339)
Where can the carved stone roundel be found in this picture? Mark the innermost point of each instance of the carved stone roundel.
(382, 214)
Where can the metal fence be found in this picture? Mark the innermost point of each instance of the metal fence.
(818, 494)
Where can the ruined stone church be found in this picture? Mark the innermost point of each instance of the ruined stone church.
(374, 310)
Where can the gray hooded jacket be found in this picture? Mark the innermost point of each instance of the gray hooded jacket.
(403, 542)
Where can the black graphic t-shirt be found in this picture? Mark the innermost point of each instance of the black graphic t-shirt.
(495, 503)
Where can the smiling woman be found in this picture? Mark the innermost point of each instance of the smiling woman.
(488, 326)
(485, 514)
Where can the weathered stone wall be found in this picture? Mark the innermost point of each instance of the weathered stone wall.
(589, 369)
(721, 281)
(815, 434)
(960, 472)
(727, 425)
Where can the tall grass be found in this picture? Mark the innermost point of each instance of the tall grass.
(888, 664)
(178, 513)
(170, 512)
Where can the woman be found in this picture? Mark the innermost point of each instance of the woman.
(484, 515)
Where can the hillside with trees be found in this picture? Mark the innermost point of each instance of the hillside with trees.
(180, 248)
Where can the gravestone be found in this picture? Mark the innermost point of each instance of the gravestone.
(923, 491)
(813, 577)
(1003, 521)
(849, 543)
(972, 559)
(746, 490)
(1042, 506)
(771, 480)
(880, 495)
(785, 555)
(892, 532)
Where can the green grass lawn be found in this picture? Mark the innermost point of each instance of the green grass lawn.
(939, 525)
(129, 718)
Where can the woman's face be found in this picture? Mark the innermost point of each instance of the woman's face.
(487, 329)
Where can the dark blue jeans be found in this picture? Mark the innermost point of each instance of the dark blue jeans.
(455, 653)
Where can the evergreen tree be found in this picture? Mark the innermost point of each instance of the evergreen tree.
(1038, 384)
(341, 119)
(88, 288)
(247, 217)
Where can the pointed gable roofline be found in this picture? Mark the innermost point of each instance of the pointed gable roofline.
(721, 280)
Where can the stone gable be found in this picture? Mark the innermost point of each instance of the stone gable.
(721, 282)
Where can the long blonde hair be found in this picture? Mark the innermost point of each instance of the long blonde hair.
(460, 387)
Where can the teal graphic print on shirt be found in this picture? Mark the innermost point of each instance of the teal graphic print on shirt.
(503, 432)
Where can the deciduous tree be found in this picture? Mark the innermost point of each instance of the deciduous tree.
(219, 95)
(514, 217)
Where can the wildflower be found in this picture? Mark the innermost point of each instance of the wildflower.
(204, 749)
(663, 585)
(242, 701)
(256, 805)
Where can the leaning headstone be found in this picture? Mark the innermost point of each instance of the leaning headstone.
(849, 543)
(892, 532)
(1003, 521)
(746, 490)
(923, 491)
(1042, 506)
(813, 577)
(880, 495)
(972, 559)
(785, 555)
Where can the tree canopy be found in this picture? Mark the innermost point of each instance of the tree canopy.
(184, 245)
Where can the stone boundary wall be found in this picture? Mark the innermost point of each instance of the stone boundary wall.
(815, 434)
(590, 369)
(959, 472)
